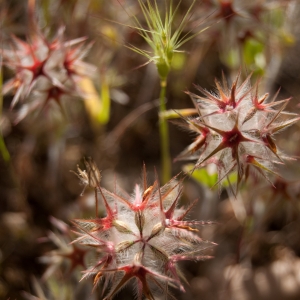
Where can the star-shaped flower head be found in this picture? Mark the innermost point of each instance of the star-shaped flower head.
(44, 70)
(235, 129)
(65, 253)
(146, 236)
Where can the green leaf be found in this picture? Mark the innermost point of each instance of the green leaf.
(178, 113)
(287, 38)
(104, 115)
(3, 149)
(201, 175)
(276, 17)
(254, 56)
(208, 179)
(252, 48)
(233, 177)
(231, 59)
(98, 108)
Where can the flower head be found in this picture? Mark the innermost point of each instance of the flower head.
(144, 239)
(45, 70)
(91, 176)
(65, 252)
(236, 129)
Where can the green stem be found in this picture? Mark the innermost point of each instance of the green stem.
(164, 135)
(46, 11)
(3, 149)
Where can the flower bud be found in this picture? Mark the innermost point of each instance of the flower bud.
(93, 173)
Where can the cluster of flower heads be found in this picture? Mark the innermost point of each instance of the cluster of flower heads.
(235, 129)
(141, 238)
(45, 70)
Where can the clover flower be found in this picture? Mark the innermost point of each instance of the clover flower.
(45, 70)
(65, 253)
(142, 238)
(235, 129)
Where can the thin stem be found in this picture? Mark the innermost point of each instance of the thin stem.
(164, 135)
(1, 95)
(96, 202)
(3, 150)
(46, 10)
(31, 14)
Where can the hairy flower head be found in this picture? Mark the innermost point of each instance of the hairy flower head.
(45, 70)
(142, 237)
(236, 129)
(65, 252)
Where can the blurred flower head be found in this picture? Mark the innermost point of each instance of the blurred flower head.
(65, 254)
(45, 70)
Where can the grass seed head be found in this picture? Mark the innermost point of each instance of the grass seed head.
(163, 40)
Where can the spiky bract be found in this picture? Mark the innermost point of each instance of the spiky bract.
(235, 129)
(142, 237)
(45, 70)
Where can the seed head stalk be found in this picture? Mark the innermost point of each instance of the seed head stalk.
(164, 134)
(164, 42)
(90, 177)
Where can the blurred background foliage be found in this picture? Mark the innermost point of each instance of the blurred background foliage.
(116, 123)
